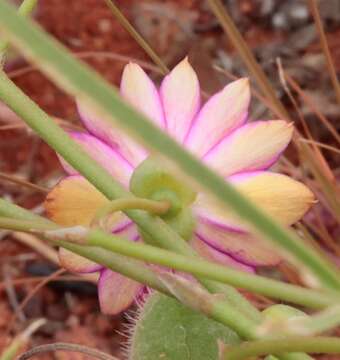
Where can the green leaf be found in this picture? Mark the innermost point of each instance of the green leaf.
(168, 330)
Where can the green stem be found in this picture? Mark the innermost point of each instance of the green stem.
(26, 225)
(151, 206)
(328, 345)
(197, 267)
(10, 210)
(25, 9)
(155, 227)
(80, 81)
(139, 39)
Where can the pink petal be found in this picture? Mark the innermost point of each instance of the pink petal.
(137, 88)
(211, 254)
(254, 146)
(113, 136)
(77, 264)
(116, 292)
(180, 94)
(110, 159)
(222, 113)
(242, 247)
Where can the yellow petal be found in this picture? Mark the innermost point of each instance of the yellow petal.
(74, 201)
(281, 197)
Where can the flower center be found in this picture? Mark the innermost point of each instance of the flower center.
(153, 181)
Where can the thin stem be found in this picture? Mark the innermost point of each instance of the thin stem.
(25, 9)
(90, 88)
(139, 39)
(328, 345)
(151, 206)
(41, 349)
(323, 41)
(197, 267)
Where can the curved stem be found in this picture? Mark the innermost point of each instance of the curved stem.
(151, 206)
(328, 345)
(100, 355)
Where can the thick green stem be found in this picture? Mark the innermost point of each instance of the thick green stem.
(328, 345)
(80, 81)
(26, 225)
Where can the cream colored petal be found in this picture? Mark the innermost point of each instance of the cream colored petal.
(112, 135)
(106, 156)
(138, 89)
(180, 94)
(255, 146)
(220, 115)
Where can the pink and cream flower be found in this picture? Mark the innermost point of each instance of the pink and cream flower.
(218, 133)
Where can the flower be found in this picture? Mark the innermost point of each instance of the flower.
(219, 134)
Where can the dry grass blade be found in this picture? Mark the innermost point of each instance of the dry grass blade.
(323, 41)
(29, 296)
(139, 39)
(309, 102)
(241, 46)
(321, 145)
(22, 182)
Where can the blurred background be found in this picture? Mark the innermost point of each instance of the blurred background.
(278, 31)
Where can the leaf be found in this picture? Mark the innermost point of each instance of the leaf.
(168, 330)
